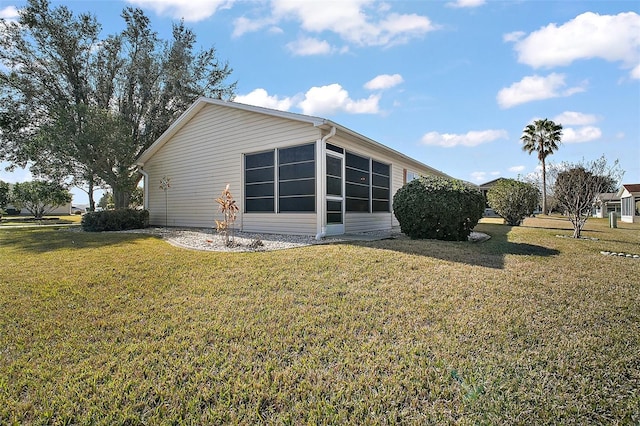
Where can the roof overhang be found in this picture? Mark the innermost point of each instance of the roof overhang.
(319, 122)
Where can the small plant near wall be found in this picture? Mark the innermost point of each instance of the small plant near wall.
(229, 209)
(165, 184)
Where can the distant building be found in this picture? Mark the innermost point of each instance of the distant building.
(606, 203)
(629, 203)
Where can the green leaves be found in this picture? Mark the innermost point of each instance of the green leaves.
(39, 197)
(513, 200)
(438, 208)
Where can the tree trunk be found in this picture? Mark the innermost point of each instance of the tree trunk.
(92, 202)
(121, 198)
(544, 188)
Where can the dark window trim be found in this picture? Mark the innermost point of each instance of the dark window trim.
(276, 180)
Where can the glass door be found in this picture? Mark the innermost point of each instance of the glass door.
(335, 194)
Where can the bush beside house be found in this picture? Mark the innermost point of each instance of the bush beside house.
(115, 220)
(438, 208)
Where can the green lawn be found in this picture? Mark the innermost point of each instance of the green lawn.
(526, 328)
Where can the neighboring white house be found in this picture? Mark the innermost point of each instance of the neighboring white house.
(629, 202)
(61, 210)
(606, 202)
(290, 173)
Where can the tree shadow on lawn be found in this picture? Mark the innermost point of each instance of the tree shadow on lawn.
(47, 240)
(489, 254)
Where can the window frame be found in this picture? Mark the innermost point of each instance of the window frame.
(293, 167)
(354, 203)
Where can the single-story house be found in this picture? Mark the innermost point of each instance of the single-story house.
(61, 210)
(605, 203)
(629, 202)
(289, 173)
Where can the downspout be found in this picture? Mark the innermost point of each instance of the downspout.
(322, 230)
(145, 197)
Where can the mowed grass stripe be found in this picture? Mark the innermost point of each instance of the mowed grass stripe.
(124, 328)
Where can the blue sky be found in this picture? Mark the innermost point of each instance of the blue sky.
(450, 83)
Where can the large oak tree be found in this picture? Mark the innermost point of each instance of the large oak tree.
(79, 107)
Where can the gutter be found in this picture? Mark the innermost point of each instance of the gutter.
(322, 230)
(145, 197)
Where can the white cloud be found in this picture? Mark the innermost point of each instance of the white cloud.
(581, 134)
(572, 118)
(635, 72)
(309, 46)
(614, 38)
(319, 101)
(479, 176)
(585, 133)
(244, 25)
(516, 169)
(383, 81)
(260, 97)
(535, 88)
(327, 100)
(355, 21)
(472, 138)
(190, 10)
(466, 3)
(514, 36)
(9, 13)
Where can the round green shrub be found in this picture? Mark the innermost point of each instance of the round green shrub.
(438, 208)
(513, 200)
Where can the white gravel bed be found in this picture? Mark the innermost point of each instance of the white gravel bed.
(210, 240)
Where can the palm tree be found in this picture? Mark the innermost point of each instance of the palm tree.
(543, 137)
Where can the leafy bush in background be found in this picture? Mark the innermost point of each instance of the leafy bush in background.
(115, 220)
(513, 200)
(438, 208)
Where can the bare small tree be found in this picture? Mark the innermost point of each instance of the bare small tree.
(577, 185)
(229, 209)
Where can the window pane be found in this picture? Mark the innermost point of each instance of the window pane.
(379, 168)
(259, 190)
(358, 191)
(333, 218)
(334, 186)
(259, 205)
(297, 171)
(334, 166)
(381, 181)
(334, 206)
(355, 205)
(380, 206)
(357, 162)
(251, 161)
(298, 187)
(259, 175)
(380, 193)
(334, 148)
(297, 154)
(357, 176)
(297, 204)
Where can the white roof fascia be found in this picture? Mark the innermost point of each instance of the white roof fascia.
(315, 121)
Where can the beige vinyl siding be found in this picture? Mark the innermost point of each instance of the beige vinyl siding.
(291, 223)
(206, 154)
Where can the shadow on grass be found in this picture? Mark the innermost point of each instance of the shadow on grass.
(51, 239)
(490, 254)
